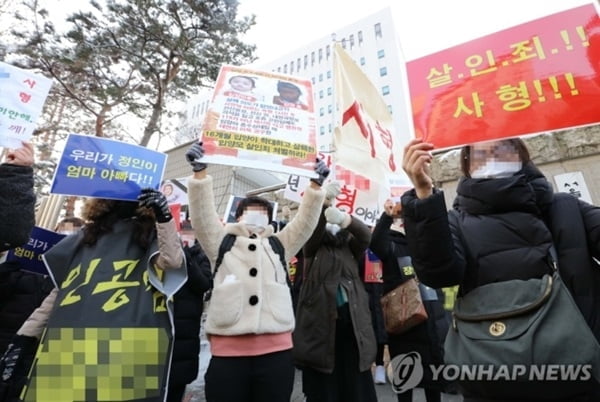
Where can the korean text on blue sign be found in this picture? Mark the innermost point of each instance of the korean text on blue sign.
(29, 256)
(104, 168)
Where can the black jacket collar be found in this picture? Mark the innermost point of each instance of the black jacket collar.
(525, 191)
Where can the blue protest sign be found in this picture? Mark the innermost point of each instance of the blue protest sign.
(29, 256)
(104, 168)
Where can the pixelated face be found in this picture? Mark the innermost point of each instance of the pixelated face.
(289, 94)
(256, 218)
(500, 151)
(242, 84)
(253, 210)
(256, 209)
(167, 190)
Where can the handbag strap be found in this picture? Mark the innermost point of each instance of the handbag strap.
(553, 258)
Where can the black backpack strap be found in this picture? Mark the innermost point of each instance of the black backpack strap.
(226, 245)
(280, 251)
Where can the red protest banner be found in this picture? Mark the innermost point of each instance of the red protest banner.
(539, 76)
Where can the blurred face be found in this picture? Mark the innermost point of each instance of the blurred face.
(494, 159)
(241, 84)
(256, 218)
(67, 228)
(289, 94)
(167, 190)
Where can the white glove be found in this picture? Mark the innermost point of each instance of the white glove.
(337, 217)
(332, 190)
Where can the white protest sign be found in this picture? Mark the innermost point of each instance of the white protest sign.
(261, 120)
(22, 96)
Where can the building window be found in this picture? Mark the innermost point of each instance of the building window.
(330, 127)
(329, 91)
(321, 77)
(278, 69)
(351, 41)
(389, 108)
(329, 108)
(321, 111)
(312, 58)
(291, 66)
(313, 80)
(385, 90)
(327, 51)
(378, 30)
(305, 61)
(344, 43)
(328, 73)
(360, 37)
(285, 68)
(321, 94)
(320, 55)
(383, 71)
(380, 54)
(362, 61)
(322, 130)
(299, 63)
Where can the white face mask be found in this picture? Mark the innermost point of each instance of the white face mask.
(496, 170)
(332, 228)
(255, 221)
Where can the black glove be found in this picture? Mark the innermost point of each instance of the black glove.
(194, 155)
(322, 170)
(15, 365)
(156, 200)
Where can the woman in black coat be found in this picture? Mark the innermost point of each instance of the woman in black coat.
(504, 221)
(389, 243)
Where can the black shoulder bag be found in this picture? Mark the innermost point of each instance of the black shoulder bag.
(522, 339)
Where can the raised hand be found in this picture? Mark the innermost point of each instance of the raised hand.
(194, 156)
(22, 156)
(337, 217)
(388, 207)
(322, 170)
(416, 160)
(332, 190)
(156, 200)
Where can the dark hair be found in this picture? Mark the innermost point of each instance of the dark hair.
(102, 215)
(465, 154)
(284, 84)
(248, 201)
(246, 77)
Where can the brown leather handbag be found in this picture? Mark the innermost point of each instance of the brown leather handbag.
(403, 307)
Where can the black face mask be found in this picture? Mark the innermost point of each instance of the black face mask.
(125, 209)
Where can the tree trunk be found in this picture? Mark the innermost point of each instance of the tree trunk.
(152, 126)
(70, 206)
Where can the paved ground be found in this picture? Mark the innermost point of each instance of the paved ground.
(385, 393)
